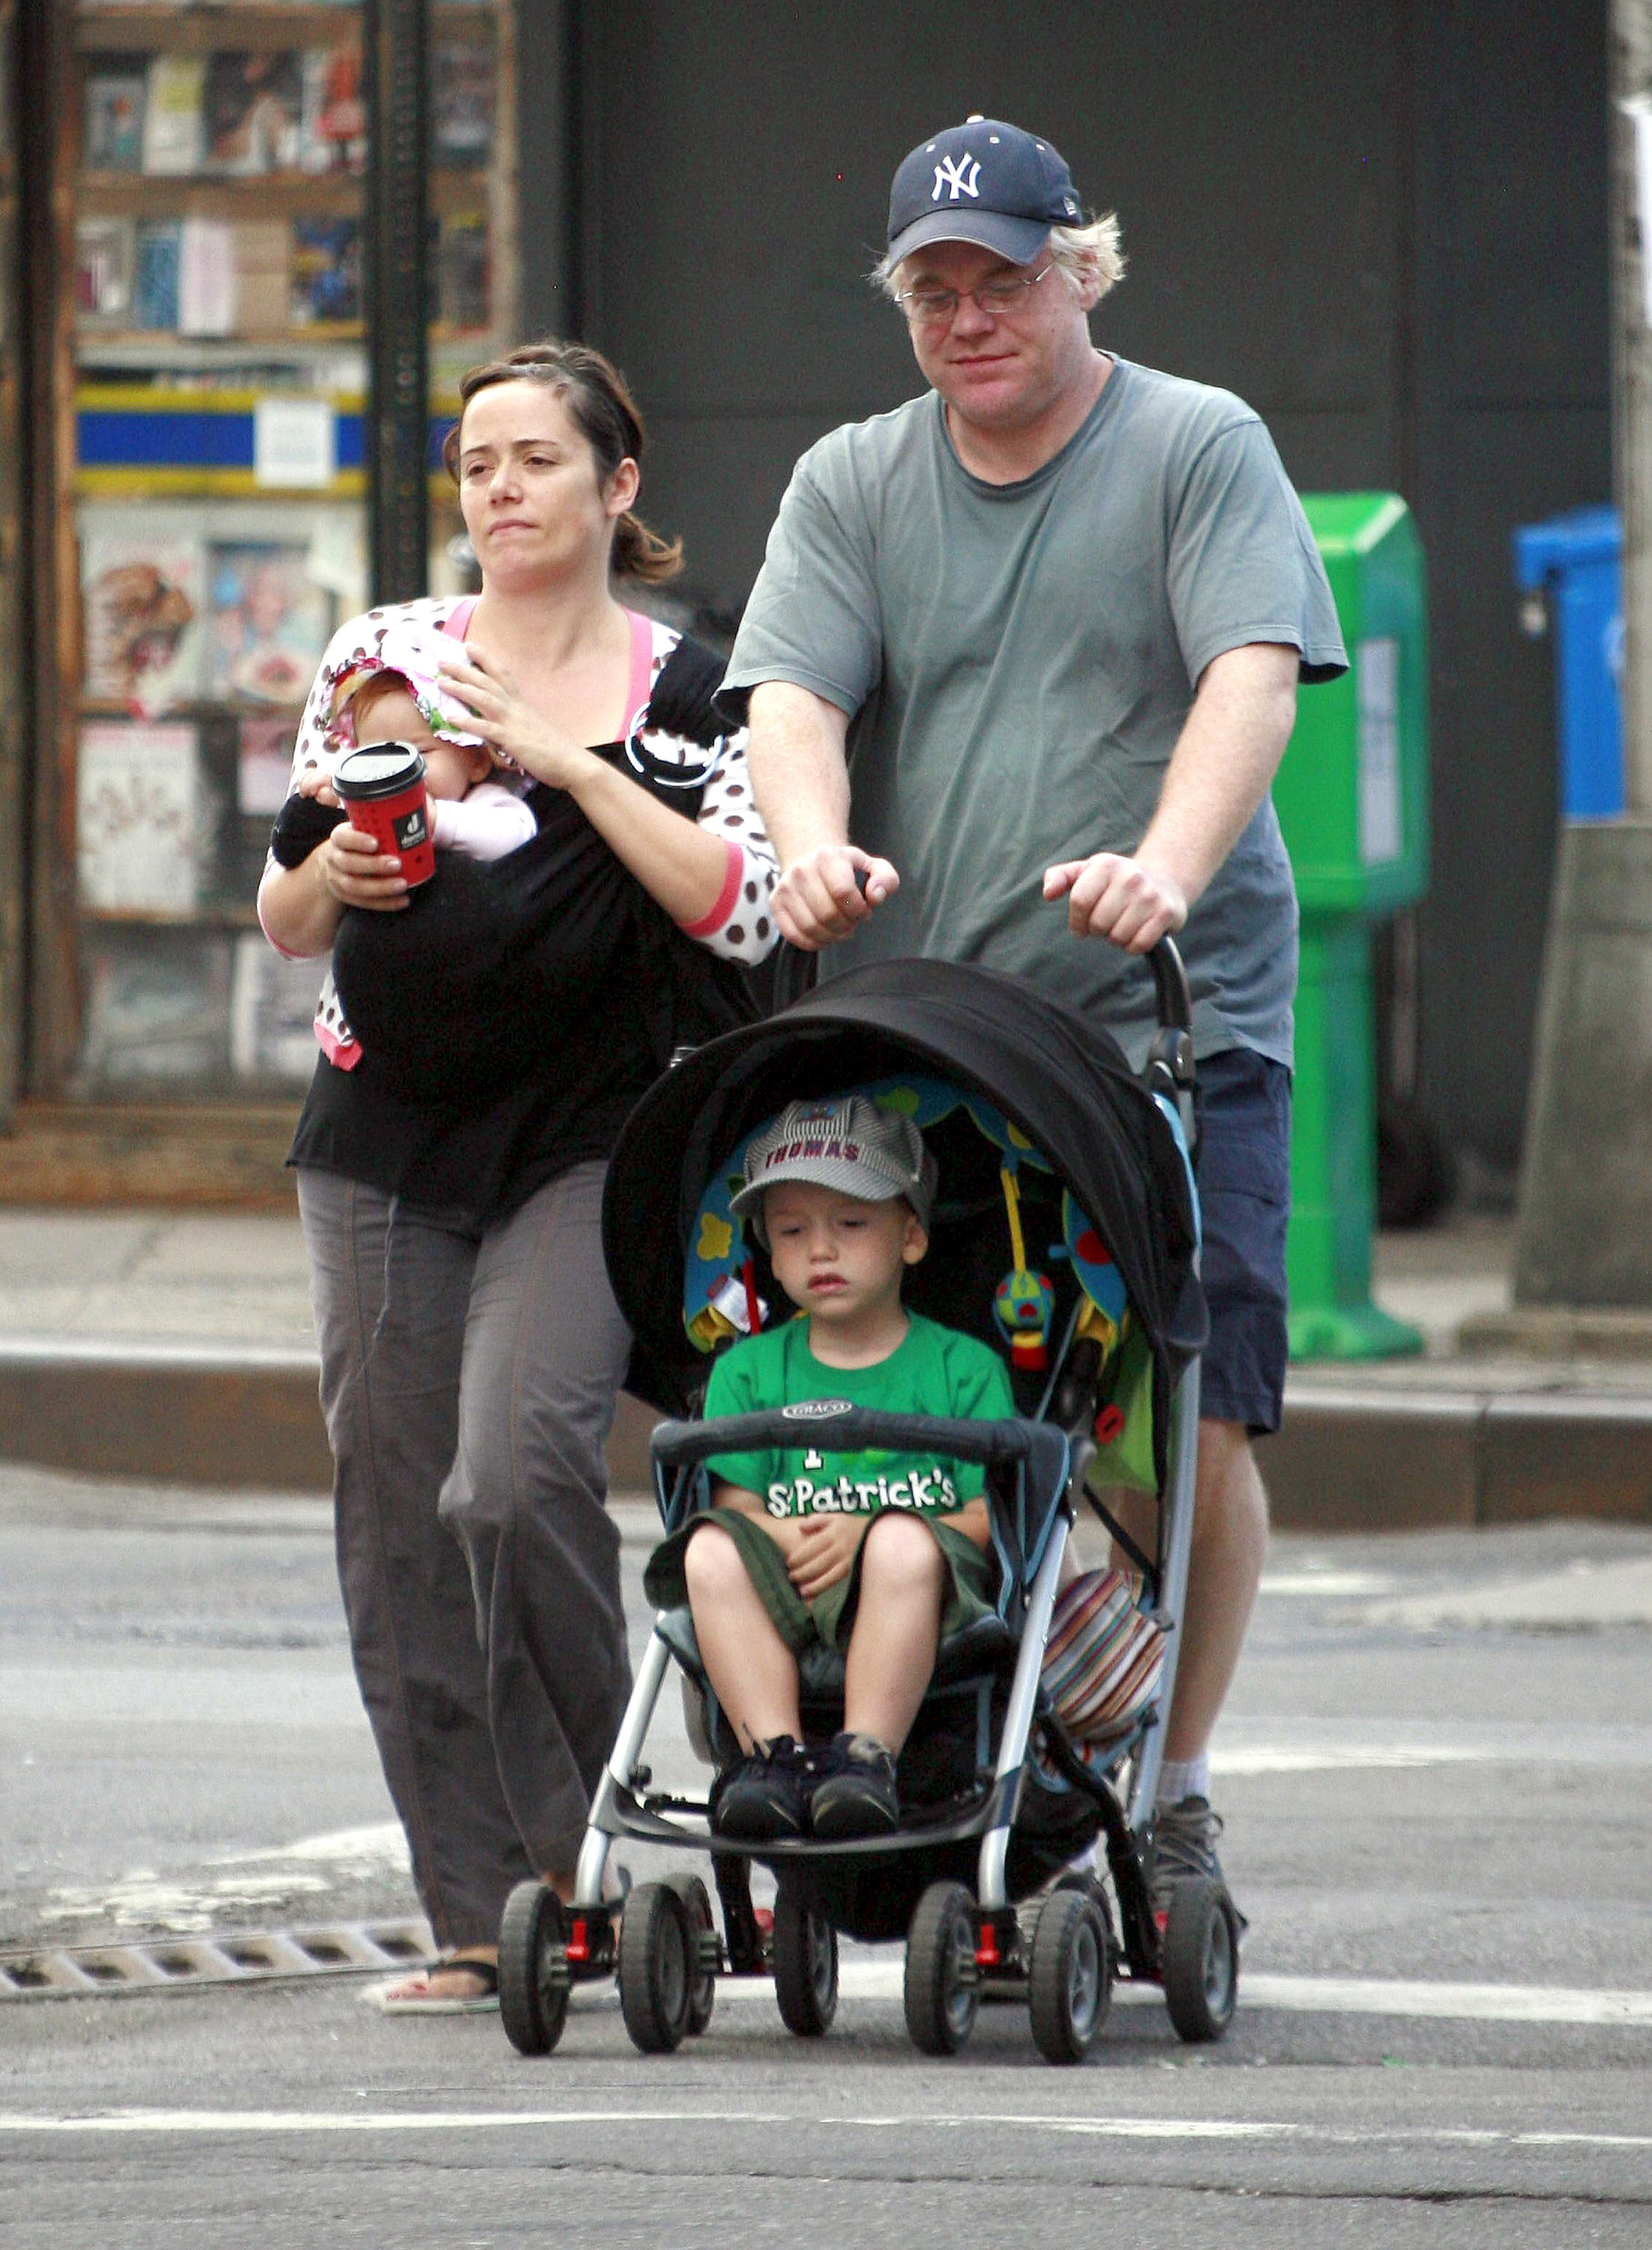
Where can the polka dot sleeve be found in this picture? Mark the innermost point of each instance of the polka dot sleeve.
(740, 926)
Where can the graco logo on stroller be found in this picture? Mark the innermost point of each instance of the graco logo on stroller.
(818, 1410)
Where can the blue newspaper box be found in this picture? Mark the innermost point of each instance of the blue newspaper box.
(1570, 570)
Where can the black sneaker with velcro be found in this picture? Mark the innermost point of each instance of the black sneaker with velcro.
(854, 1791)
(761, 1799)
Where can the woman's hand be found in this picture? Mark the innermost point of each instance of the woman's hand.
(825, 1551)
(503, 717)
(355, 872)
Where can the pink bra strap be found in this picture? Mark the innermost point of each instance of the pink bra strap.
(458, 621)
(642, 680)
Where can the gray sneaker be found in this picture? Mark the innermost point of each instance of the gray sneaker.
(1184, 1846)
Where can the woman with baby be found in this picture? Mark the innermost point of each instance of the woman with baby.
(480, 1054)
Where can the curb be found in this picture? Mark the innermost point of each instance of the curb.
(1348, 1459)
(1354, 1460)
(244, 1419)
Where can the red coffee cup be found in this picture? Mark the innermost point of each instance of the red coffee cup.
(383, 789)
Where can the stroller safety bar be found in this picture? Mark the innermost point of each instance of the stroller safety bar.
(858, 1429)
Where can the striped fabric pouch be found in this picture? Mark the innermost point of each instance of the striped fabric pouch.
(1103, 1660)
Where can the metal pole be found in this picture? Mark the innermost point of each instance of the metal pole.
(1631, 236)
(395, 35)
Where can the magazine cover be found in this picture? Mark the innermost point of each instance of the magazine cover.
(143, 587)
(272, 1012)
(157, 1007)
(135, 792)
(104, 264)
(252, 105)
(115, 93)
(206, 277)
(173, 140)
(327, 270)
(265, 766)
(262, 278)
(156, 260)
(459, 284)
(269, 622)
(333, 121)
(461, 104)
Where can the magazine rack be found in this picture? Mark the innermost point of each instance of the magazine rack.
(204, 438)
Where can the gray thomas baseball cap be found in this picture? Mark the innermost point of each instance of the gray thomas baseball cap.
(849, 1145)
(982, 181)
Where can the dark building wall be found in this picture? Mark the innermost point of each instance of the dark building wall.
(1384, 224)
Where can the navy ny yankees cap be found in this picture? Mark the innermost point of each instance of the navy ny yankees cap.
(982, 181)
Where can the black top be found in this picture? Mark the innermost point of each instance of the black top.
(512, 1016)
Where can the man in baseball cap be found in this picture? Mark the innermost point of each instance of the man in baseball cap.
(986, 183)
(1066, 603)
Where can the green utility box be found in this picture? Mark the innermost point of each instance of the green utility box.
(1352, 798)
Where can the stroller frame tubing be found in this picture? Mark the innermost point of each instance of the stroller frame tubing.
(991, 1890)
(1172, 1585)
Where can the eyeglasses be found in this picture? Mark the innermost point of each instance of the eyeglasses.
(939, 308)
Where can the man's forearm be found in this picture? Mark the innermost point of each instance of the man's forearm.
(800, 778)
(1223, 764)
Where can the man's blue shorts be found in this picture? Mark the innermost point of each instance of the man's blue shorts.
(1244, 1193)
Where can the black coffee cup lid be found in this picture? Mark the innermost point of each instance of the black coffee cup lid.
(383, 770)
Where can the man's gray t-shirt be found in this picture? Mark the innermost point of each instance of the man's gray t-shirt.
(1018, 661)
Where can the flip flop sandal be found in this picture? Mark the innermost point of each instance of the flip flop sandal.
(412, 1996)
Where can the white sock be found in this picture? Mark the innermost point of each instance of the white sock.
(1180, 1777)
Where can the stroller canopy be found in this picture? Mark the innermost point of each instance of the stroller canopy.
(1052, 1077)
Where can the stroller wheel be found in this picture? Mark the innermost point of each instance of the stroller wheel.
(805, 1964)
(534, 1980)
(943, 1993)
(1201, 1960)
(657, 1968)
(702, 1994)
(1069, 1982)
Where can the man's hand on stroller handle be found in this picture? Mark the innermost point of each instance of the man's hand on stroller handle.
(824, 895)
(1110, 896)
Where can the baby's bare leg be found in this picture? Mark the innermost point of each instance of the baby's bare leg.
(749, 1665)
(892, 1650)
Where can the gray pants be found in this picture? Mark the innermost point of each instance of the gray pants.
(468, 1379)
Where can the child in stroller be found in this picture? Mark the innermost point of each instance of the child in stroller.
(1043, 1132)
(804, 1546)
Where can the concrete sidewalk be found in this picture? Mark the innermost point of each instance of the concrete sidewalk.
(179, 1345)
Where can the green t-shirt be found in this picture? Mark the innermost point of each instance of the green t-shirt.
(1018, 661)
(934, 1370)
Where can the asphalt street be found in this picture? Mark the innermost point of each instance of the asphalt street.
(1437, 1776)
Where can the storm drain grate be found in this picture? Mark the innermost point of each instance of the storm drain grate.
(253, 1957)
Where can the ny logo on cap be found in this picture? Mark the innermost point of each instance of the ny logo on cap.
(960, 174)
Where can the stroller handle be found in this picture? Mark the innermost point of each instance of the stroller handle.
(1170, 986)
(848, 1429)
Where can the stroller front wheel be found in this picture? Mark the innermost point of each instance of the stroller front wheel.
(1070, 1978)
(658, 1968)
(697, 1905)
(1201, 1960)
(805, 1964)
(943, 1990)
(534, 1979)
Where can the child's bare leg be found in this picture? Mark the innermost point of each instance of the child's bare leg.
(892, 1650)
(750, 1666)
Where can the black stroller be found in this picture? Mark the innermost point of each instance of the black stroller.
(1036, 1122)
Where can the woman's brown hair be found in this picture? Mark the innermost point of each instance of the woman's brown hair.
(596, 395)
